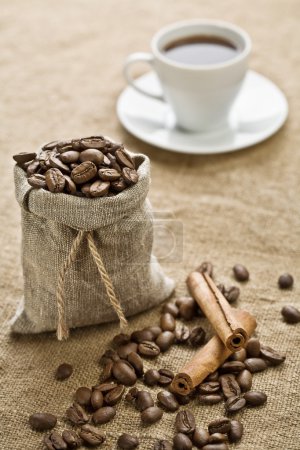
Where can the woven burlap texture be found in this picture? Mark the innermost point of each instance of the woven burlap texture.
(61, 76)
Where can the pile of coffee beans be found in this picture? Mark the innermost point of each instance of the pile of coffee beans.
(123, 366)
(87, 167)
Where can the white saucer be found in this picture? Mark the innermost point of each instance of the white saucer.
(260, 110)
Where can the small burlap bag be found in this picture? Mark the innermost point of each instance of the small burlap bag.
(87, 261)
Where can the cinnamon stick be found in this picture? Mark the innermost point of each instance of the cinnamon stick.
(217, 310)
(209, 358)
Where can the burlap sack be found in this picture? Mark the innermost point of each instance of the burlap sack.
(87, 261)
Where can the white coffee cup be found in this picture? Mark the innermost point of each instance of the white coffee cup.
(201, 96)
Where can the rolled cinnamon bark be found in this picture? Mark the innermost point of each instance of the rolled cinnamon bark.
(217, 310)
(209, 358)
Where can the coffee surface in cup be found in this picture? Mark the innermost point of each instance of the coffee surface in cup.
(201, 50)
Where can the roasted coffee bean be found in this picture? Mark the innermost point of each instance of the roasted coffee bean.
(182, 442)
(114, 165)
(107, 371)
(171, 308)
(93, 155)
(137, 363)
(97, 399)
(244, 380)
(273, 357)
(107, 174)
(187, 308)
(105, 387)
(197, 337)
(124, 373)
(91, 435)
(205, 267)
(165, 340)
(155, 330)
(69, 157)
(56, 163)
(55, 441)
(51, 145)
(255, 398)
(221, 425)
(121, 339)
(166, 377)
(144, 400)
(126, 349)
(285, 281)
(55, 180)
(99, 188)
(167, 322)
(37, 181)
(71, 438)
(211, 399)
(168, 400)
(232, 367)
(214, 376)
(83, 396)
(130, 176)
(70, 186)
(240, 355)
(230, 386)
(124, 158)
(131, 395)
(232, 294)
(222, 446)
(234, 404)
(128, 442)
(148, 348)
(103, 415)
(42, 421)
(185, 422)
(84, 172)
(139, 336)
(151, 377)
(209, 387)
(113, 397)
(62, 144)
(240, 272)
(182, 334)
(63, 371)
(290, 314)
(236, 431)
(163, 445)
(200, 437)
(253, 348)
(255, 364)
(97, 142)
(32, 168)
(24, 157)
(217, 438)
(76, 414)
(86, 189)
(151, 415)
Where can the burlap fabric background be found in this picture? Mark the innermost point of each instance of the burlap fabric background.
(61, 75)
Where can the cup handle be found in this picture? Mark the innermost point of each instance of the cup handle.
(132, 59)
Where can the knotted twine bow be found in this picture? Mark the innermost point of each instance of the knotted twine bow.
(62, 328)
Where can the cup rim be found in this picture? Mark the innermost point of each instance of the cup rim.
(204, 67)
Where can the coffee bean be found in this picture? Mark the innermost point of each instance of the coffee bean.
(217, 438)
(182, 334)
(214, 376)
(107, 174)
(124, 158)
(70, 186)
(55, 441)
(168, 401)
(182, 442)
(205, 267)
(107, 371)
(185, 422)
(97, 142)
(121, 339)
(137, 363)
(93, 155)
(163, 445)
(232, 294)
(130, 176)
(144, 400)
(63, 371)
(244, 380)
(55, 180)
(37, 181)
(32, 168)
(221, 425)
(42, 421)
(151, 377)
(183, 399)
(126, 349)
(285, 281)
(91, 435)
(209, 387)
(255, 398)
(71, 438)
(200, 437)
(253, 348)
(155, 330)
(128, 441)
(165, 340)
(290, 314)
(255, 364)
(166, 377)
(187, 308)
(273, 357)
(105, 387)
(51, 145)
(211, 399)
(234, 404)
(141, 335)
(240, 272)
(124, 373)
(167, 322)
(56, 163)
(99, 188)
(97, 399)
(236, 431)
(197, 337)
(230, 386)
(83, 396)
(222, 446)
(113, 397)
(24, 157)
(114, 165)
(76, 414)
(171, 308)
(84, 172)
(232, 367)
(240, 355)
(131, 395)
(86, 189)
(69, 157)
(151, 415)
(148, 348)
(103, 415)
(62, 143)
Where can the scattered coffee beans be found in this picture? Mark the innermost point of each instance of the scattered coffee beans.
(234, 404)
(63, 371)
(151, 377)
(200, 437)
(151, 415)
(128, 442)
(240, 272)
(255, 398)
(185, 422)
(168, 401)
(182, 442)
(205, 267)
(91, 436)
(163, 445)
(83, 396)
(253, 348)
(124, 373)
(71, 438)
(144, 400)
(221, 425)
(290, 314)
(255, 364)
(236, 431)
(285, 281)
(274, 358)
(103, 415)
(42, 421)
(77, 415)
(197, 337)
(55, 441)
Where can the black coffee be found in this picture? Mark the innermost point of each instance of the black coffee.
(201, 49)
